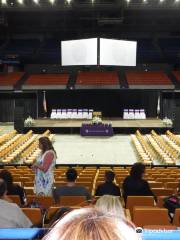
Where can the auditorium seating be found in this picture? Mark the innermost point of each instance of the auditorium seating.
(20, 147)
(97, 80)
(149, 79)
(46, 81)
(143, 216)
(7, 81)
(177, 75)
(133, 201)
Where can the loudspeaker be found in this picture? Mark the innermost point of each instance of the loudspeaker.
(176, 123)
(19, 119)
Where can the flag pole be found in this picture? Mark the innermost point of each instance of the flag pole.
(44, 104)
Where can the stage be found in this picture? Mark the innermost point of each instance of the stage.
(119, 125)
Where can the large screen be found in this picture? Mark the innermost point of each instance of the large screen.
(79, 52)
(117, 52)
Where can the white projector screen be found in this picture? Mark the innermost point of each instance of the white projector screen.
(79, 52)
(117, 52)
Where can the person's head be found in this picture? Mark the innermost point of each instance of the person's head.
(71, 175)
(7, 177)
(109, 176)
(91, 224)
(137, 170)
(3, 188)
(110, 205)
(45, 144)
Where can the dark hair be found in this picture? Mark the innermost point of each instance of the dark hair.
(7, 177)
(71, 175)
(109, 176)
(3, 187)
(137, 170)
(46, 144)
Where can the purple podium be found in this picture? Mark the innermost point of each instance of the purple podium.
(96, 130)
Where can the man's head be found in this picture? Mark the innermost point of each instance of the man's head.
(71, 175)
(109, 176)
(3, 188)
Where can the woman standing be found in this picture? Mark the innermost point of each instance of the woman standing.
(44, 168)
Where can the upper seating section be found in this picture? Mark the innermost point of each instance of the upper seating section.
(97, 79)
(49, 80)
(177, 75)
(10, 79)
(153, 79)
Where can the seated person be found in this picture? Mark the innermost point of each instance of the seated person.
(108, 188)
(135, 185)
(110, 205)
(11, 216)
(70, 189)
(13, 189)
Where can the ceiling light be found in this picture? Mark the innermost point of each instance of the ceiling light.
(4, 2)
(36, 1)
(52, 1)
(20, 1)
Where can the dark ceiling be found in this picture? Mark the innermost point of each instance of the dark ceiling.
(81, 18)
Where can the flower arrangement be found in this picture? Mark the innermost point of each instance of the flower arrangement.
(96, 120)
(29, 122)
(167, 122)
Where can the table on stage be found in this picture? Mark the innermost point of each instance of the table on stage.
(96, 130)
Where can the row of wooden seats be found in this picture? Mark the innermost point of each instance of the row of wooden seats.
(164, 145)
(174, 147)
(173, 137)
(148, 78)
(143, 210)
(47, 79)
(21, 146)
(10, 78)
(142, 152)
(97, 78)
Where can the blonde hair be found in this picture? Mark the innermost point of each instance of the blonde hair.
(91, 224)
(110, 205)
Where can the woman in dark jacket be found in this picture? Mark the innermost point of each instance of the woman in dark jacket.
(13, 189)
(134, 184)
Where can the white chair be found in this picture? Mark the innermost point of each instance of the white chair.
(63, 114)
(126, 114)
(137, 114)
(74, 114)
(69, 113)
(85, 114)
(53, 114)
(79, 114)
(142, 114)
(131, 113)
(58, 114)
(90, 114)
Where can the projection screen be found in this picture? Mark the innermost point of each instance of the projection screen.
(79, 52)
(117, 52)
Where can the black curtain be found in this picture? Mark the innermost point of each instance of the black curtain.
(110, 102)
(10, 100)
(6, 108)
